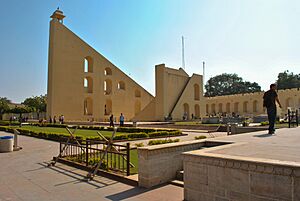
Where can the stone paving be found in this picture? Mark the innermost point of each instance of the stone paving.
(283, 146)
(24, 176)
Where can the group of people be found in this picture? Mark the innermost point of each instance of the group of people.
(112, 120)
(20, 119)
(61, 119)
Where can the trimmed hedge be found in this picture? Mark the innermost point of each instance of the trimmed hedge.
(7, 123)
(200, 137)
(58, 136)
(156, 142)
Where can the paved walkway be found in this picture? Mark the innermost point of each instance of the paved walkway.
(283, 146)
(24, 176)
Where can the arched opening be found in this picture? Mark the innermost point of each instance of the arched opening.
(228, 107)
(197, 111)
(245, 106)
(255, 106)
(207, 109)
(108, 107)
(88, 64)
(196, 92)
(236, 107)
(137, 93)
(288, 102)
(213, 108)
(88, 85)
(137, 107)
(88, 106)
(121, 85)
(186, 111)
(107, 71)
(220, 107)
(107, 87)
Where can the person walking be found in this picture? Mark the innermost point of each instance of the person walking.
(122, 120)
(270, 98)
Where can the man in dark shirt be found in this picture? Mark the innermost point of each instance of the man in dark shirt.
(269, 102)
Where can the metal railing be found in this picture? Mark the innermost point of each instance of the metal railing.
(293, 117)
(88, 153)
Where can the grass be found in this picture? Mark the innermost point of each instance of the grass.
(193, 123)
(110, 160)
(79, 132)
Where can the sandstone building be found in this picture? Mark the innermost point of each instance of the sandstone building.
(85, 86)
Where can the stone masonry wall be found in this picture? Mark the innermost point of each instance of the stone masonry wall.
(220, 179)
(159, 164)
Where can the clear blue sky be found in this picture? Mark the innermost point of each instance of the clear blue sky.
(256, 39)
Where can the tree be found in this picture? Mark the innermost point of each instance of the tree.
(20, 110)
(36, 104)
(227, 84)
(288, 80)
(4, 106)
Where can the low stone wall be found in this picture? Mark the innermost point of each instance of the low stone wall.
(158, 164)
(208, 178)
(239, 129)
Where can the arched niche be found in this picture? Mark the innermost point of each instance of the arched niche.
(227, 107)
(108, 107)
(196, 92)
(88, 106)
(107, 71)
(88, 64)
(186, 111)
(107, 87)
(88, 84)
(121, 85)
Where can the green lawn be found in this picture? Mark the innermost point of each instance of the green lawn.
(193, 123)
(79, 132)
(88, 133)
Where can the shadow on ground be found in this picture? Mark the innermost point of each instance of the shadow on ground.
(78, 176)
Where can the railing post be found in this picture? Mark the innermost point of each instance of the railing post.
(289, 117)
(128, 158)
(86, 152)
(60, 141)
(297, 118)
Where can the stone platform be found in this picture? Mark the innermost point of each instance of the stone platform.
(254, 167)
(24, 176)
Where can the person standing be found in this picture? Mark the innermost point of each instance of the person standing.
(122, 120)
(270, 98)
(62, 119)
(111, 120)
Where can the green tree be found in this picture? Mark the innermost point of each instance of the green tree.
(4, 106)
(288, 80)
(36, 104)
(227, 84)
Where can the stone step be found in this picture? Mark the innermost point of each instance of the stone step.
(179, 175)
(177, 183)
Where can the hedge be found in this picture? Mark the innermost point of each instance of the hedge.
(156, 142)
(58, 136)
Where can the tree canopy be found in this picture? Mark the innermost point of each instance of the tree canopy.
(4, 106)
(286, 80)
(227, 84)
(20, 110)
(36, 103)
